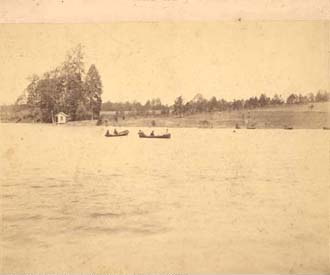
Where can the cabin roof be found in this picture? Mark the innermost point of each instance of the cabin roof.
(61, 114)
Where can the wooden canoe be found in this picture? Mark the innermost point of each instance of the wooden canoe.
(120, 134)
(143, 135)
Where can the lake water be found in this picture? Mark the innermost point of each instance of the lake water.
(205, 201)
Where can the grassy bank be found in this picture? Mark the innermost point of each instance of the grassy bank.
(296, 116)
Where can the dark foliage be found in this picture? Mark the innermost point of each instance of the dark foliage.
(64, 90)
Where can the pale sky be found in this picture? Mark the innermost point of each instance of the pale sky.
(139, 61)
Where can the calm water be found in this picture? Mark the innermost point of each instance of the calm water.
(207, 200)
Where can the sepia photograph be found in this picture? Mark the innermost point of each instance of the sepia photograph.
(186, 147)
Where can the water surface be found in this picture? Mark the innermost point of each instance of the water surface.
(205, 201)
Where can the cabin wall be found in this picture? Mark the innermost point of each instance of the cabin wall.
(61, 119)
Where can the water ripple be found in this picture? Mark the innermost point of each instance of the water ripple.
(21, 218)
(108, 214)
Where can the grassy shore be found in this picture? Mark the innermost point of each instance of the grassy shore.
(296, 116)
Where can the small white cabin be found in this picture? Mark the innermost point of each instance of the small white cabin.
(61, 118)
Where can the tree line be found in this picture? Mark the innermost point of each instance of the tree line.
(65, 89)
(136, 107)
(199, 104)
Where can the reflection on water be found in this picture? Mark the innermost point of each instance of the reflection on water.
(207, 200)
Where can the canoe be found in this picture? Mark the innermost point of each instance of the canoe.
(120, 134)
(288, 128)
(143, 135)
(326, 128)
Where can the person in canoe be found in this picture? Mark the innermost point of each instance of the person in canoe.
(152, 133)
(107, 133)
(141, 133)
(115, 132)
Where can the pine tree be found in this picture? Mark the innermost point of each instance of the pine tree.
(93, 90)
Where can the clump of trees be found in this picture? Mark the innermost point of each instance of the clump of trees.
(200, 104)
(136, 107)
(65, 89)
(320, 96)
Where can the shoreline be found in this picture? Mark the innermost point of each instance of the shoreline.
(169, 125)
(296, 117)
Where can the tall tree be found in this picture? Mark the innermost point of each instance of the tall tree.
(155, 103)
(73, 69)
(292, 99)
(276, 100)
(322, 96)
(46, 88)
(33, 97)
(238, 104)
(93, 90)
(263, 100)
(178, 106)
(213, 104)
